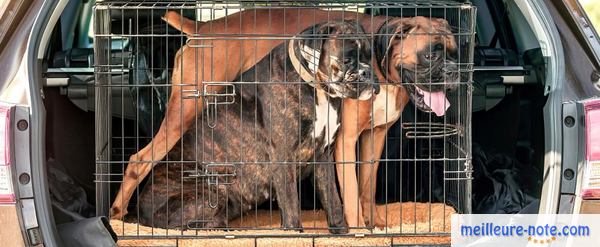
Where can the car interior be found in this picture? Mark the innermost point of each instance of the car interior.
(507, 117)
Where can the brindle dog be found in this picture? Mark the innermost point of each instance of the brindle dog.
(276, 126)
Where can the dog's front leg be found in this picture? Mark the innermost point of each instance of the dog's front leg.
(286, 190)
(329, 197)
(141, 163)
(355, 118)
(371, 147)
(345, 156)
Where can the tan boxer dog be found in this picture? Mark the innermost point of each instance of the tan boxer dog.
(226, 59)
(413, 61)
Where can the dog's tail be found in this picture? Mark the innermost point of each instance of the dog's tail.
(181, 23)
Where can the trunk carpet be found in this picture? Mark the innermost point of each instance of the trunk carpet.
(423, 223)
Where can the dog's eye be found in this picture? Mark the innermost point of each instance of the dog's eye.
(431, 57)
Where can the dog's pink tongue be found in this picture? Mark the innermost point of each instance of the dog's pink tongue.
(436, 101)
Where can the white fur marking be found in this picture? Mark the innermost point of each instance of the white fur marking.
(312, 58)
(326, 120)
(364, 65)
(385, 109)
(365, 95)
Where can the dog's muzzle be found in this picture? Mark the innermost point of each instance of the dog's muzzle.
(359, 83)
(427, 88)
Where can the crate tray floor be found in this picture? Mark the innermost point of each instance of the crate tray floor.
(421, 222)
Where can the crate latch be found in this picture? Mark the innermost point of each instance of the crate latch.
(213, 94)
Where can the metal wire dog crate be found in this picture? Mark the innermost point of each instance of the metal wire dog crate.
(424, 172)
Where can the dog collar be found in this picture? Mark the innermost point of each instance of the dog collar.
(300, 69)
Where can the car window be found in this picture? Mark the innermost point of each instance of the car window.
(6, 15)
(585, 14)
(592, 9)
(3, 5)
(11, 12)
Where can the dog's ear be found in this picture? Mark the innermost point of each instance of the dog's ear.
(332, 29)
(397, 28)
(313, 41)
(320, 33)
(442, 26)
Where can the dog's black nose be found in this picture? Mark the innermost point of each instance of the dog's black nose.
(450, 68)
(364, 74)
(449, 71)
(376, 88)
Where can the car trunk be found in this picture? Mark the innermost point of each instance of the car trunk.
(414, 193)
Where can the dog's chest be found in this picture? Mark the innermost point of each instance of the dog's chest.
(326, 121)
(386, 107)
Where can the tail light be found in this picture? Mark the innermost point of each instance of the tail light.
(591, 181)
(7, 194)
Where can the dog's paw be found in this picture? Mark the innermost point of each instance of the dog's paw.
(378, 221)
(293, 229)
(117, 214)
(338, 230)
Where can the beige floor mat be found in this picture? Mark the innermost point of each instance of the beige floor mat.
(429, 218)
